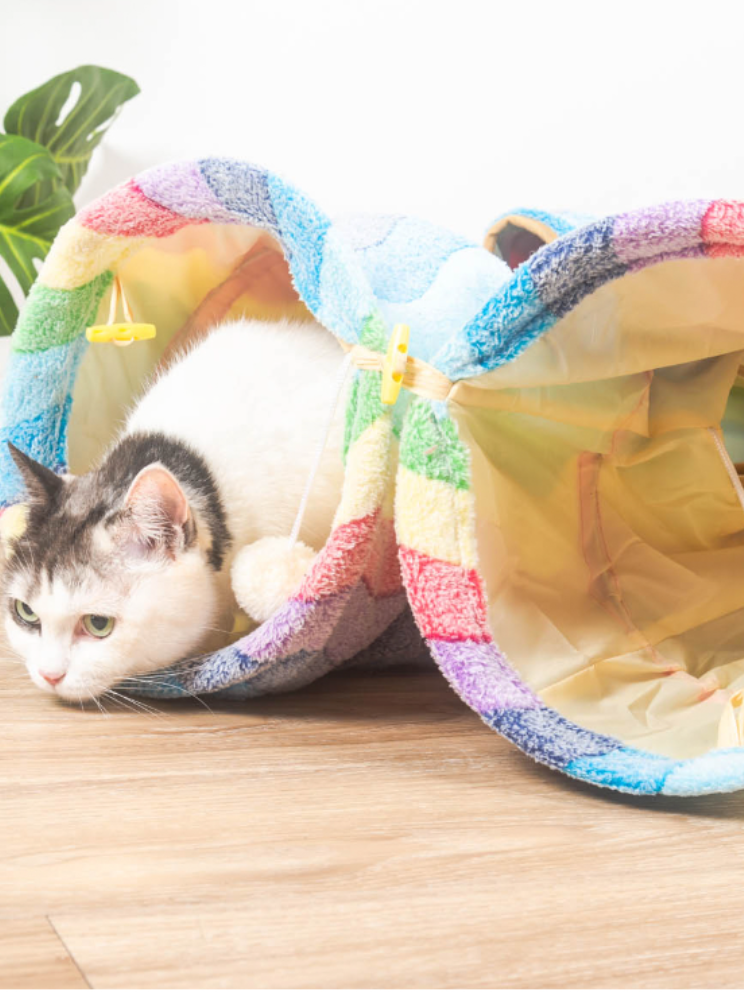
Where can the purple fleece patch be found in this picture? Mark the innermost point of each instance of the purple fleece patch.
(296, 626)
(180, 187)
(668, 230)
(364, 619)
(482, 676)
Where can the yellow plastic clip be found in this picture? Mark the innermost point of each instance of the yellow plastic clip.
(394, 364)
(121, 334)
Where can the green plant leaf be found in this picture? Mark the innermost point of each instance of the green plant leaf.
(73, 139)
(8, 311)
(26, 233)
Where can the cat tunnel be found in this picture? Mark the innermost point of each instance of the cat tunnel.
(551, 509)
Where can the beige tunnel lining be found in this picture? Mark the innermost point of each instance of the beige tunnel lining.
(165, 282)
(610, 526)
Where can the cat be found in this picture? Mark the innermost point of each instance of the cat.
(126, 569)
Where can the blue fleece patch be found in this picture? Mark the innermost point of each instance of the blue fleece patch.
(478, 347)
(346, 300)
(513, 344)
(37, 380)
(360, 231)
(567, 270)
(548, 737)
(466, 280)
(287, 674)
(43, 437)
(36, 408)
(626, 769)
(231, 668)
(218, 670)
(303, 229)
(717, 771)
(242, 188)
(402, 267)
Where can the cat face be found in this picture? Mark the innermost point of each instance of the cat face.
(102, 586)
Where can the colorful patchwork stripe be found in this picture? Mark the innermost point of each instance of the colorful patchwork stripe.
(587, 254)
(353, 594)
(403, 545)
(448, 601)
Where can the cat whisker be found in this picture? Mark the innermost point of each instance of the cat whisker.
(122, 702)
(135, 704)
(97, 697)
(98, 704)
(150, 680)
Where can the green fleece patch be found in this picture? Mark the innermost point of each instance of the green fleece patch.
(364, 408)
(364, 405)
(374, 333)
(432, 448)
(52, 317)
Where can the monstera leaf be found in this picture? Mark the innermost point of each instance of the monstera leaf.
(26, 232)
(70, 132)
(51, 134)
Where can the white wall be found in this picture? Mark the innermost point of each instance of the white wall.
(454, 111)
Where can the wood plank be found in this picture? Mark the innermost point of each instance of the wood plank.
(32, 956)
(368, 831)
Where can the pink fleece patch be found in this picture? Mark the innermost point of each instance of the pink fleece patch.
(723, 228)
(341, 562)
(382, 572)
(447, 600)
(127, 212)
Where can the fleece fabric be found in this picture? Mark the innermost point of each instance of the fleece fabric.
(399, 578)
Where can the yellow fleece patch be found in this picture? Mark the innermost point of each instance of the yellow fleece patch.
(387, 509)
(367, 472)
(79, 255)
(435, 518)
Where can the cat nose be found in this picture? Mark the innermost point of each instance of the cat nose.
(52, 677)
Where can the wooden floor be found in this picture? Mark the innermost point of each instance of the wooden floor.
(369, 831)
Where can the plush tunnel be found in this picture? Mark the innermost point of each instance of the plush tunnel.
(552, 510)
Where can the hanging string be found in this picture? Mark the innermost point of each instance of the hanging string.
(117, 293)
(343, 371)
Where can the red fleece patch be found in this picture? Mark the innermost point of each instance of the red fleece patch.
(723, 228)
(447, 600)
(341, 562)
(128, 213)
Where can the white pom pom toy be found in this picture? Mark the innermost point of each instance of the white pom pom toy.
(265, 574)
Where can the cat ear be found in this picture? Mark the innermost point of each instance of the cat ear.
(42, 485)
(157, 514)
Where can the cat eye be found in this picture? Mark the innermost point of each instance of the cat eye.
(98, 626)
(26, 614)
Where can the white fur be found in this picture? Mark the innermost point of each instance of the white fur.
(147, 634)
(253, 400)
(266, 573)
